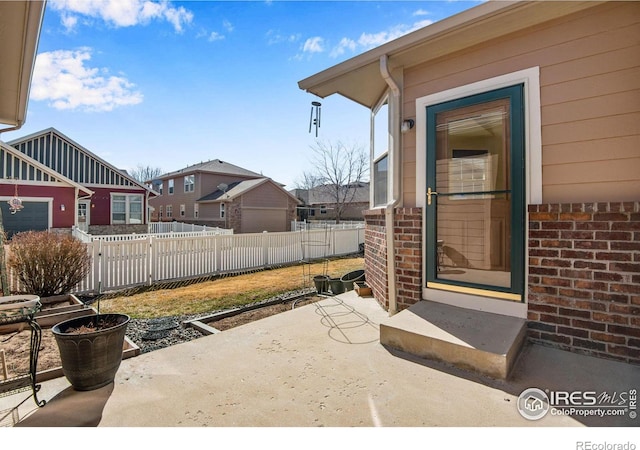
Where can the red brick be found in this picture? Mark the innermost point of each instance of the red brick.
(625, 351)
(613, 236)
(592, 345)
(583, 235)
(589, 265)
(588, 325)
(619, 308)
(607, 276)
(548, 318)
(629, 288)
(549, 281)
(608, 297)
(544, 234)
(543, 216)
(602, 226)
(576, 216)
(544, 252)
(573, 332)
(580, 274)
(543, 289)
(605, 337)
(610, 217)
(625, 331)
(552, 262)
(595, 245)
(610, 318)
(626, 226)
(576, 254)
(555, 243)
(624, 267)
(591, 285)
(543, 271)
(543, 308)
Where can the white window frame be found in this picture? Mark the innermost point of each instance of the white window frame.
(196, 210)
(222, 210)
(189, 183)
(182, 210)
(530, 78)
(160, 211)
(171, 186)
(376, 157)
(160, 188)
(169, 211)
(128, 201)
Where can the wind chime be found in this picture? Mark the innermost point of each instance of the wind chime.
(314, 120)
(15, 204)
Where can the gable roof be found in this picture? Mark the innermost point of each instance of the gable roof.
(20, 23)
(125, 179)
(216, 166)
(31, 170)
(326, 194)
(359, 78)
(239, 188)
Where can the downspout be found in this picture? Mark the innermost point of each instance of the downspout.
(394, 122)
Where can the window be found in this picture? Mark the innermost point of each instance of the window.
(323, 209)
(169, 211)
(222, 210)
(160, 188)
(170, 187)
(196, 210)
(380, 152)
(182, 210)
(126, 208)
(160, 212)
(189, 183)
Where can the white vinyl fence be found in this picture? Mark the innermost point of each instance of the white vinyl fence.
(148, 259)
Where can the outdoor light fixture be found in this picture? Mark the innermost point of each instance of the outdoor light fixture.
(62, 208)
(407, 125)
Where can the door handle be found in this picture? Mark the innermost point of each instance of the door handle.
(429, 194)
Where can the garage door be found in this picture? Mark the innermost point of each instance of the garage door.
(34, 216)
(259, 220)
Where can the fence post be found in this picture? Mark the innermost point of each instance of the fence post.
(150, 260)
(265, 249)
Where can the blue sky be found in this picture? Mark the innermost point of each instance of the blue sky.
(170, 84)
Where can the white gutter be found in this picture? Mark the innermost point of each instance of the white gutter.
(394, 162)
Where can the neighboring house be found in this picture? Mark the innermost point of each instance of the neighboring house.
(319, 203)
(48, 199)
(219, 194)
(511, 179)
(119, 202)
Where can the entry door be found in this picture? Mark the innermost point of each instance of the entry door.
(475, 194)
(83, 215)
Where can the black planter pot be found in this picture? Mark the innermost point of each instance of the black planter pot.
(90, 360)
(322, 283)
(351, 277)
(336, 285)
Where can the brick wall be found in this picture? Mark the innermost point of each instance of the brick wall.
(584, 278)
(408, 255)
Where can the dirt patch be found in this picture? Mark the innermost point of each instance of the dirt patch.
(16, 349)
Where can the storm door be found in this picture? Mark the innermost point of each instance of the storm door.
(475, 194)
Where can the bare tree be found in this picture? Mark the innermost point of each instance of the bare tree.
(338, 171)
(145, 173)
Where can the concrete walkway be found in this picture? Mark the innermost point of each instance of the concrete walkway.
(319, 365)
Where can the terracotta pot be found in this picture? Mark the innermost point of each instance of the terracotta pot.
(91, 359)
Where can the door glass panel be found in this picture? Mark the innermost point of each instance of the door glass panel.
(473, 211)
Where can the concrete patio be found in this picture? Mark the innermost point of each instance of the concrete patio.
(318, 365)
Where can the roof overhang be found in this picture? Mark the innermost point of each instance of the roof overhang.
(359, 78)
(20, 24)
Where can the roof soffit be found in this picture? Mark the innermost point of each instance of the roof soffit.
(20, 24)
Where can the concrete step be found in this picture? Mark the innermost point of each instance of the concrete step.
(473, 340)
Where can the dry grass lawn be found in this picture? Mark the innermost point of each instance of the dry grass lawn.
(225, 292)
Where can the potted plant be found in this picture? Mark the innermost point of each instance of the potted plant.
(90, 347)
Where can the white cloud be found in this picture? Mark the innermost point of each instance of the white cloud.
(63, 78)
(367, 41)
(122, 13)
(421, 12)
(228, 26)
(274, 37)
(345, 44)
(313, 45)
(215, 36)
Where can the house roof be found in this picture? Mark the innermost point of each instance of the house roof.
(214, 166)
(53, 176)
(359, 78)
(52, 130)
(326, 194)
(20, 25)
(239, 188)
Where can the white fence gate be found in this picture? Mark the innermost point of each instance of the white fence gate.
(147, 259)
